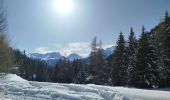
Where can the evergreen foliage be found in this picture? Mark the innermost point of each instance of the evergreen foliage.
(131, 54)
(120, 63)
(145, 69)
(97, 63)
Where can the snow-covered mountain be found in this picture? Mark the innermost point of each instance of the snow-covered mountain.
(53, 57)
(36, 55)
(47, 56)
(74, 56)
(13, 87)
(108, 51)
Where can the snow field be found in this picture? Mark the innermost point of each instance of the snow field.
(12, 87)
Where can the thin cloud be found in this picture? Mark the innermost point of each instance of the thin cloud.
(107, 46)
(41, 50)
(81, 48)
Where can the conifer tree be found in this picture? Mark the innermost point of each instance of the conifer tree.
(83, 76)
(97, 63)
(131, 53)
(76, 65)
(145, 70)
(120, 63)
(166, 47)
(161, 39)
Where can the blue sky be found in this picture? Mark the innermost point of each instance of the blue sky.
(35, 26)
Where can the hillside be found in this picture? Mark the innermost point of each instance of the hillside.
(12, 87)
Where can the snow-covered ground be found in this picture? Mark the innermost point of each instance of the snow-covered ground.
(12, 87)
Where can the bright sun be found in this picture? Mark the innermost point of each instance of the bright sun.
(63, 6)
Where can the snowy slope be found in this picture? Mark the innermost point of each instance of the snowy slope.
(47, 56)
(13, 87)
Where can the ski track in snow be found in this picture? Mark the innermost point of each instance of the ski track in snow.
(12, 87)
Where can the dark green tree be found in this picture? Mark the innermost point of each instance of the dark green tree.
(166, 47)
(145, 70)
(131, 53)
(161, 39)
(119, 71)
(97, 63)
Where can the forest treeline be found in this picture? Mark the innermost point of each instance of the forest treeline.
(142, 62)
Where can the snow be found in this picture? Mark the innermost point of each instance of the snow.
(89, 78)
(12, 87)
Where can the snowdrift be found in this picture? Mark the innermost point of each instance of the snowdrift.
(12, 87)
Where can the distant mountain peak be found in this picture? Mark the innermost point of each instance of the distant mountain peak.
(108, 51)
(53, 55)
(74, 56)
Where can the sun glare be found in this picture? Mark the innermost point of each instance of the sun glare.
(63, 6)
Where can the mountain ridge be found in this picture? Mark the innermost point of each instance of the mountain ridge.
(52, 58)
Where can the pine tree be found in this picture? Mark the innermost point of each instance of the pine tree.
(119, 71)
(76, 66)
(97, 63)
(30, 69)
(166, 47)
(161, 39)
(131, 53)
(83, 76)
(64, 72)
(145, 70)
